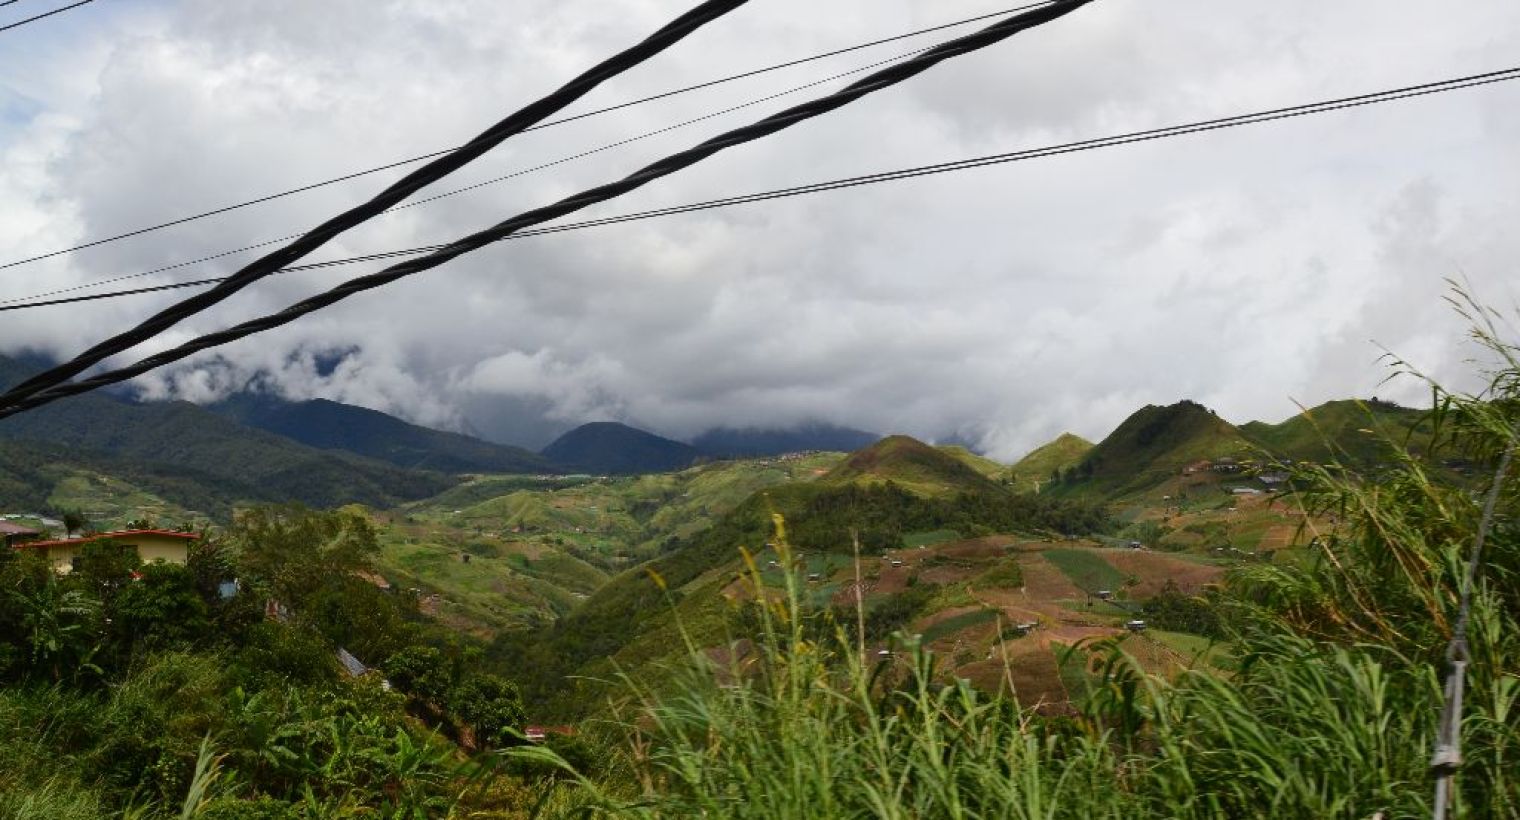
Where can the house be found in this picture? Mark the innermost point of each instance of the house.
(1198, 467)
(15, 534)
(151, 545)
(538, 734)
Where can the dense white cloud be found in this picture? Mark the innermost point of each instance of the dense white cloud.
(1246, 269)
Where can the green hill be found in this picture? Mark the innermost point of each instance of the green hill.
(1048, 459)
(1152, 445)
(1349, 430)
(910, 464)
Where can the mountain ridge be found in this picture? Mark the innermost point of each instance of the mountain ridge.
(330, 425)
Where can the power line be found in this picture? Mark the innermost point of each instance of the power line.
(550, 124)
(478, 185)
(527, 116)
(20, 23)
(1167, 132)
(41, 391)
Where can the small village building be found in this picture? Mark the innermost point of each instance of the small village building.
(150, 545)
(15, 534)
(538, 734)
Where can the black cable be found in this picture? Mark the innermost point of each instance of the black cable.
(16, 400)
(1307, 109)
(439, 168)
(473, 186)
(20, 23)
(550, 124)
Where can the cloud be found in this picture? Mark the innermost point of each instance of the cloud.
(1246, 269)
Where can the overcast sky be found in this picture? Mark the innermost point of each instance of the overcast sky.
(1248, 269)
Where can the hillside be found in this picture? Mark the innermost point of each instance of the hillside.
(223, 462)
(986, 466)
(1047, 460)
(610, 448)
(329, 425)
(727, 442)
(1153, 445)
(932, 498)
(911, 464)
(36, 478)
(1350, 430)
(539, 545)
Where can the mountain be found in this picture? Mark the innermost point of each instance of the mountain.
(1153, 444)
(610, 448)
(204, 460)
(912, 464)
(728, 442)
(1042, 462)
(330, 425)
(1348, 430)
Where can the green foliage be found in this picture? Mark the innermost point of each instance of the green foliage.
(420, 671)
(491, 706)
(161, 609)
(895, 612)
(292, 551)
(1171, 609)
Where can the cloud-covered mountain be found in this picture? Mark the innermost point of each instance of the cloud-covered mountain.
(330, 425)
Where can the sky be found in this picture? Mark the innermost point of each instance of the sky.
(1254, 270)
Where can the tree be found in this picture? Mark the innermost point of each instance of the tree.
(420, 671)
(73, 521)
(291, 550)
(490, 705)
(162, 609)
(102, 569)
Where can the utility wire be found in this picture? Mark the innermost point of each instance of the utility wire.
(20, 23)
(477, 185)
(428, 174)
(41, 391)
(1167, 132)
(550, 124)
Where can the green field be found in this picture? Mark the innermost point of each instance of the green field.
(952, 625)
(1086, 569)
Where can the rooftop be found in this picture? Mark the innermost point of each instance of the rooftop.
(102, 536)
